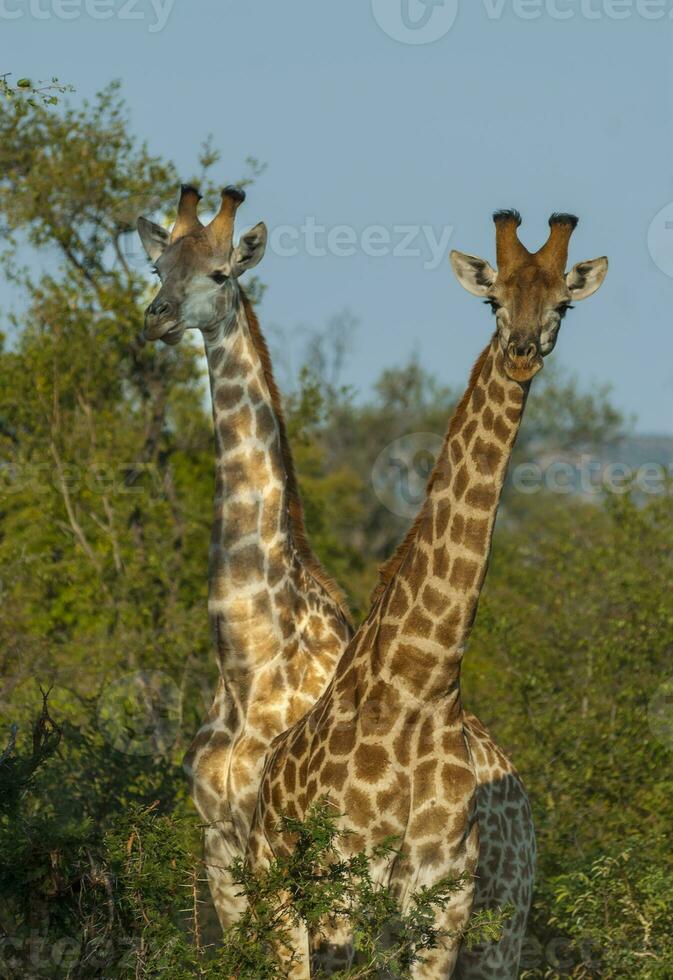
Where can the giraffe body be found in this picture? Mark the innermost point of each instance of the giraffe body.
(388, 742)
(278, 625)
(277, 621)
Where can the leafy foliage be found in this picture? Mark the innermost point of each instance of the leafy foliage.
(120, 897)
(34, 93)
(626, 895)
(313, 885)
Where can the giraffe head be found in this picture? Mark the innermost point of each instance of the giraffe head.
(198, 265)
(530, 293)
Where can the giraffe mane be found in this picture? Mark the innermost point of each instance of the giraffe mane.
(295, 507)
(389, 569)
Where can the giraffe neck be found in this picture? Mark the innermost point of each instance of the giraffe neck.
(278, 621)
(252, 547)
(430, 589)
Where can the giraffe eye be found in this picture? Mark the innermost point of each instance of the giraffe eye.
(219, 277)
(563, 309)
(495, 306)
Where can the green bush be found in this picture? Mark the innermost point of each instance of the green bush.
(119, 896)
(618, 912)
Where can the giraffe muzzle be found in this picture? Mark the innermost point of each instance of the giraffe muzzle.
(522, 360)
(161, 322)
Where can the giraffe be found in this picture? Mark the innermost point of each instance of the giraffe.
(278, 622)
(388, 741)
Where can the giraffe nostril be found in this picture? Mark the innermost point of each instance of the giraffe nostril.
(527, 349)
(159, 308)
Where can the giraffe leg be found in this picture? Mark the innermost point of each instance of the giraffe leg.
(219, 852)
(295, 959)
(440, 963)
(331, 951)
(297, 966)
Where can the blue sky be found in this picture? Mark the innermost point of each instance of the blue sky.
(543, 105)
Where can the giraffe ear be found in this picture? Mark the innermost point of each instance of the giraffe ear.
(586, 277)
(154, 238)
(249, 250)
(473, 273)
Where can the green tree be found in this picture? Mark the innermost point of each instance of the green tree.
(34, 93)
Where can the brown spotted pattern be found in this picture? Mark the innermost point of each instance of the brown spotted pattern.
(277, 626)
(506, 867)
(388, 742)
(278, 623)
